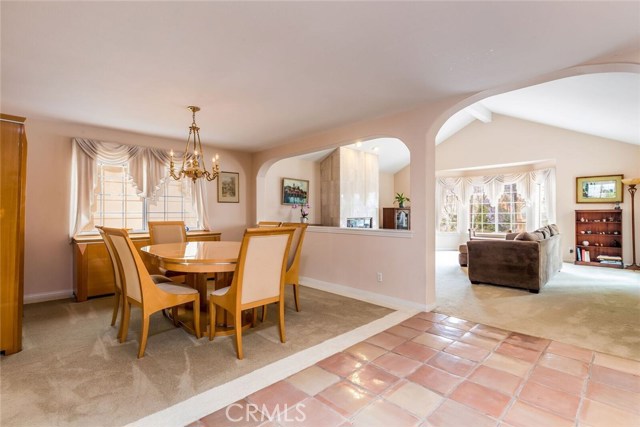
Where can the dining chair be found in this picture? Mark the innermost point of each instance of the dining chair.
(258, 279)
(139, 289)
(167, 232)
(292, 274)
(117, 280)
(265, 224)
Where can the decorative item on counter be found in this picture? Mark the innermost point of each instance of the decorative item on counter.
(588, 231)
(582, 232)
(582, 219)
(401, 199)
(604, 219)
(616, 232)
(585, 243)
(304, 211)
(617, 206)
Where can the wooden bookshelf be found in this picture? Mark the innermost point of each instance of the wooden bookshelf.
(602, 228)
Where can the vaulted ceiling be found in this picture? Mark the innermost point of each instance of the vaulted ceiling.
(266, 72)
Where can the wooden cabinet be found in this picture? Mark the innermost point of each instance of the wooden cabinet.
(396, 218)
(599, 237)
(93, 272)
(13, 170)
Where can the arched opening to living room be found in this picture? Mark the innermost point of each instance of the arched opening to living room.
(583, 124)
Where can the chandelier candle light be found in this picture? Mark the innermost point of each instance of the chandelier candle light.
(193, 165)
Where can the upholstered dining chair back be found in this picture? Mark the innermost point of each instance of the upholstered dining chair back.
(167, 232)
(261, 266)
(292, 275)
(296, 242)
(112, 257)
(126, 261)
(116, 280)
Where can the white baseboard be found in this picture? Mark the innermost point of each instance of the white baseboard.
(366, 296)
(47, 296)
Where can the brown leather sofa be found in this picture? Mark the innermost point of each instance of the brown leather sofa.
(527, 262)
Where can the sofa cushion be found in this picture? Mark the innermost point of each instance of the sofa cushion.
(528, 237)
(554, 229)
(511, 236)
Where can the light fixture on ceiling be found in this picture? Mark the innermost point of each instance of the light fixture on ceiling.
(632, 182)
(193, 165)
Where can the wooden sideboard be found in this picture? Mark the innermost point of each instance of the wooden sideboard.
(13, 174)
(93, 272)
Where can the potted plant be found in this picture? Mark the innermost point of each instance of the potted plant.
(400, 198)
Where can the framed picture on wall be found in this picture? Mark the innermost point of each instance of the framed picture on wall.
(229, 187)
(599, 189)
(295, 191)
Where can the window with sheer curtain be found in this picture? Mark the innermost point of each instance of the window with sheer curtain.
(118, 205)
(496, 203)
(449, 213)
(125, 186)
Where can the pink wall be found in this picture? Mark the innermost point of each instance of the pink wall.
(291, 168)
(48, 253)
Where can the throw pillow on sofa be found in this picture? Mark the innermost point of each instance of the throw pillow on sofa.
(527, 237)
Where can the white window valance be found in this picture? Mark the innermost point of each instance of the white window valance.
(148, 169)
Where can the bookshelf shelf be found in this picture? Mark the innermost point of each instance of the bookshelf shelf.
(602, 229)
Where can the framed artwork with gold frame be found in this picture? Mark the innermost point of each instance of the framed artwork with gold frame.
(599, 189)
(229, 187)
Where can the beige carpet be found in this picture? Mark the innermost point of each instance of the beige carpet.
(592, 307)
(72, 370)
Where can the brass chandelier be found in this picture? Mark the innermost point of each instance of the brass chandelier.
(193, 165)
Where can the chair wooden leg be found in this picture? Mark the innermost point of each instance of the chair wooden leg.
(283, 337)
(237, 321)
(254, 317)
(296, 296)
(126, 314)
(122, 313)
(196, 317)
(144, 336)
(174, 315)
(116, 306)
(212, 320)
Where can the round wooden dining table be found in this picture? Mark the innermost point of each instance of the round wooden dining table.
(197, 260)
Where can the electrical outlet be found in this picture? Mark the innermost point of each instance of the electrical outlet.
(379, 277)
(570, 250)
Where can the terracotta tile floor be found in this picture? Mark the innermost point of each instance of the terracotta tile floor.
(433, 370)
